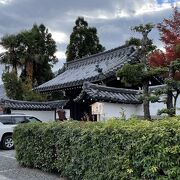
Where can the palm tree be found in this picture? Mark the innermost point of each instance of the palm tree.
(12, 54)
(32, 50)
(37, 48)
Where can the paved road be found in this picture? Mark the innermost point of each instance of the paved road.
(10, 170)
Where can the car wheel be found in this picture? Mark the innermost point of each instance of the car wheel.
(7, 142)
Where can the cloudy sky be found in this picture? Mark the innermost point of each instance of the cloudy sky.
(112, 18)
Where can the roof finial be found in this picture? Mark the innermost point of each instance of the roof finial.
(98, 69)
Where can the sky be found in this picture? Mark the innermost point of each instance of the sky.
(112, 18)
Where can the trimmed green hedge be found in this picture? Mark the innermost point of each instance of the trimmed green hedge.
(113, 150)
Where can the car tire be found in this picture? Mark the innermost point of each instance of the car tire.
(7, 142)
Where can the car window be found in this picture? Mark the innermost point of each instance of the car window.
(19, 119)
(6, 120)
(32, 119)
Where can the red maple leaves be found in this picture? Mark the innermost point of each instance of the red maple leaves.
(170, 35)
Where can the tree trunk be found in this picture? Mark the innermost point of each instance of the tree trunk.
(146, 82)
(29, 71)
(169, 103)
(175, 100)
(146, 101)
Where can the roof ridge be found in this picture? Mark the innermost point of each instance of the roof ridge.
(89, 85)
(30, 102)
(90, 68)
(97, 54)
(108, 94)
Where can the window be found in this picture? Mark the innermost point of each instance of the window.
(32, 119)
(6, 120)
(19, 119)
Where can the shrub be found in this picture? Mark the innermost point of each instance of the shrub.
(132, 149)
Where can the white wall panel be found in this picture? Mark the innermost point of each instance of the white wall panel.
(44, 116)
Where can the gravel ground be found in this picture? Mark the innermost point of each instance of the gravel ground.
(10, 170)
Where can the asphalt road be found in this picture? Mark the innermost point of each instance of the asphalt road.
(10, 170)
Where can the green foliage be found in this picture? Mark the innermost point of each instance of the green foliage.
(150, 97)
(145, 29)
(31, 50)
(39, 150)
(30, 95)
(172, 88)
(172, 84)
(133, 41)
(177, 48)
(12, 55)
(138, 42)
(12, 85)
(115, 149)
(176, 64)
(37, 48)
(140, 73)
(83, 41)
(125, 73)
(20, 90)
(166, 111)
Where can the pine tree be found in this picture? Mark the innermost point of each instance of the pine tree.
(142, 73)
(83, 41)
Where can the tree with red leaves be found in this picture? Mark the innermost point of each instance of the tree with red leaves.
(170, 35)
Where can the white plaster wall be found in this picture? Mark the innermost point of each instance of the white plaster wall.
(139, 110)
(110, 110)
(44, 116)
(178, 106)
(114, 110)
(154, 107)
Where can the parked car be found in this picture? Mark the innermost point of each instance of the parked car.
(7, 124)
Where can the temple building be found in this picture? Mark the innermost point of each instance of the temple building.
(92, 79)
(93, 90)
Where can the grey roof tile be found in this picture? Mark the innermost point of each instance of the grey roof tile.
(28, 105)
(82, 70)
(158, 87)
(108, 94)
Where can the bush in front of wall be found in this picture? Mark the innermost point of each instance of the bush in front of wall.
(115, 149)
(35, 145)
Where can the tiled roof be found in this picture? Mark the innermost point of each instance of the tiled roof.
(28, 105)
(2, 92)
(108, 94)
(157, 87)
(93, 68)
